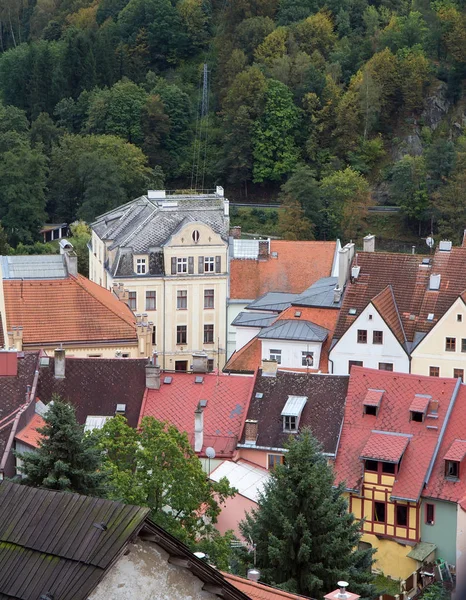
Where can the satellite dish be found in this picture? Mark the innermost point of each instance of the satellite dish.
(210, 452)
(430, 242)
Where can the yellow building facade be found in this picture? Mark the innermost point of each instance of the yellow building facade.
(177, 280)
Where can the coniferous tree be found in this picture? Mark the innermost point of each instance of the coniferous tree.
(65, 459)
(306, 540)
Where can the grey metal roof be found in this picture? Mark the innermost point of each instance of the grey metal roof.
(42, 266)
(319, 294)
(251, 319)
(294, 406)
(294, 329)
(145, 224)
(274, 301)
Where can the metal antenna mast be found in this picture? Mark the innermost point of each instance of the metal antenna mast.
(202, 132)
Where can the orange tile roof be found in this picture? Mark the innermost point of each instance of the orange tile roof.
(457, 451)
(385, 447)
(392, 417)
(386, 307)
(260, 591)
(247, 359)
(29, 434)
(373, 397)
(420, 403)
(298, 265)
(66, 310)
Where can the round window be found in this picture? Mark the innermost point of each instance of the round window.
(196, 235)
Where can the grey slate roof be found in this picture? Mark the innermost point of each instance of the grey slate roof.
(294, 330)
(253, 319)
(319, 294)
(43, 266)
(273, 301)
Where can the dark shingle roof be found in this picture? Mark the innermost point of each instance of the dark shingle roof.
(96, 386)
(253, 319)
(320, 294)
(323, 411)
(50, 544)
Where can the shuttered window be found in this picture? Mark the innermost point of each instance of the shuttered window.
(191, 265)
(218, 264)
(200, 264)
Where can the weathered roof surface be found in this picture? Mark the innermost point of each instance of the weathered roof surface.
(260, 591)
(43, 266)
(293, 329)
(51, 545)
(66, 310)
(247, 359)
(323, 411)
(421, 551)
(146, 224)
(273, 301)
(386, 307)
(96, 385)
(385, 447)
(296, 267)
(227, 404)
(393, 416)
(320, 293)
(247, 478)
(439, 486)
(408, 279)
(29, 434)
(457, 451)
(253, 319)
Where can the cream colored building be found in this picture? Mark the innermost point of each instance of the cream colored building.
(442, 351)
(167, 257)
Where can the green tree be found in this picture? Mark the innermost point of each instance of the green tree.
(80, 237)
(155, 466)
(274, 148)
(66, 459)
(345, 196)
(292, 223)
(44, 132)
(305, 537)
(303, 187)
(450, 205)
(4, 245)
(409, 187)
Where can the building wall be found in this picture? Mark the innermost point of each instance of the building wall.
(233, 512)
(461, 552)
(167, 316)
(292, 352)
(256, 456)
(233, 309)
(391, 557)
(245, 335)
(348, 349)
(431, 352)
(95, 351)
(443, 532)
(145, 573)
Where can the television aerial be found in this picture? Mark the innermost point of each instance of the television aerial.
(430, 241)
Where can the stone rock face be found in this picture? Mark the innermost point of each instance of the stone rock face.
(380, 194)
(436, 105)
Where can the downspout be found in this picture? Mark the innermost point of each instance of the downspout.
(164, 320)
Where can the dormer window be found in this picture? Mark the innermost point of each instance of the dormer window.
(418, 407)
(291, 413)
(141, 266)
(372, 401)
(452, 469)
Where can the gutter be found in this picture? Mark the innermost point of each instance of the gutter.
(271, 448)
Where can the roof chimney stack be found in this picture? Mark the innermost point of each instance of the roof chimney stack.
(198, 428)
(269, 368)
(254, 574)
(200, 362)
(15, 338)
(59, 363)
(369, 243)
(251, 430)
(153, 374)
(337, 294)
(341, 593)
(463, 245)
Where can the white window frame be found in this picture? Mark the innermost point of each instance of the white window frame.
(141, 266)
(304, 356)
(182, 265)
(209, 264)
(290, 423)
(276, 354)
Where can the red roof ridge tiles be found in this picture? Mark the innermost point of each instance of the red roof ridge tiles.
(260, 591)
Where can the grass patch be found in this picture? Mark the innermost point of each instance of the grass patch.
(385, 585)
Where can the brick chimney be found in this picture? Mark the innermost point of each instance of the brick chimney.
(153, 374)
(198, 429)
(269, 368)
(263, 249)
(235, 232)
(251, 431)
(59, 363)
(15, 338)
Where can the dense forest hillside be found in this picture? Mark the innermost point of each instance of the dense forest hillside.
(329, 106)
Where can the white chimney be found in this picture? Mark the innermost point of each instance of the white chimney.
(59, 363)
(254, 574)
(153, 374)
(445, 246)
(434, 282)
(369, 243)
(343, 264)
(226, 208)
(200, 362)
(337, 294)
(198, 429)
(341, 593)
(355, 272)
(156, 194)
(219, 191)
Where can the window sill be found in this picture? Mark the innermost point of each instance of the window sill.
(181, 309)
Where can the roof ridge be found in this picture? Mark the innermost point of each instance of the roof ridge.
(107, 306)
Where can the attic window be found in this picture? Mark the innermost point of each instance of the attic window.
(291, 413)
(120, 409)
(426, 261)
(297, 313)
(372, 401)
(199, 379)
(452, 469)
(352, 311)
(195, 236)
(167, 380)
(418, 407)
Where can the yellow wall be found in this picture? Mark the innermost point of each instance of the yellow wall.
(166, 317)
(86, 351)
(431, 350)
(391, 557)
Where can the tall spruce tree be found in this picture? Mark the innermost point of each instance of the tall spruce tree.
(306, 540)
(66, 459)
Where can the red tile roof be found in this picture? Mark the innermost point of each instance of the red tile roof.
(227, 398)
(420, 403)
(247, 359)
(386, 307)
(378, 270)
(66, 310)
(373, 398)
(393, 416)
(385, 447)
(438, 486)
(260, 591)
(298, 265)
(457, 451)
(29, 434)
